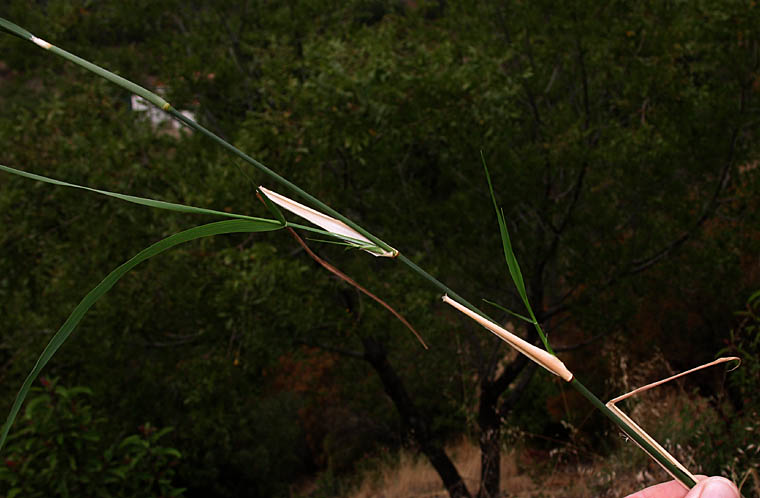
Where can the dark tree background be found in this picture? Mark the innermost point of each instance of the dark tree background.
(621, 141)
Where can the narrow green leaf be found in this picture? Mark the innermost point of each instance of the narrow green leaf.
(509, 256)
(220, 227)
(170, 206)
(518, 315)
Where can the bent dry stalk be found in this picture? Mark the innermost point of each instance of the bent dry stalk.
(612, 405)
(365, 240)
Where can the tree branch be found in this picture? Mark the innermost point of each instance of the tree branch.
(640, 265)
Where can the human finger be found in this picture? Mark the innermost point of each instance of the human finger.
(671, 489)
(714, 487)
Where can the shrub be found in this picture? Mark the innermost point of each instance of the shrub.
(61, 450)
(736, 450)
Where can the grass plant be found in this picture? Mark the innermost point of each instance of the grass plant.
(332, 223)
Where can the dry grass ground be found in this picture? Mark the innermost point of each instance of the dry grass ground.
(413, 477)
(527, 472)
(672, 414)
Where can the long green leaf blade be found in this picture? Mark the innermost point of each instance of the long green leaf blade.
(136, 200)
(509, 256)
(183, 208)
(210, 229)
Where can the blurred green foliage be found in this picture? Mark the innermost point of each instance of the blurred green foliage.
(733, 445)
(379, 109)
(60, 449)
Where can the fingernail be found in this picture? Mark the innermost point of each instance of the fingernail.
(718, 488)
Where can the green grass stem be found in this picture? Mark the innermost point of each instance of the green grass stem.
(282, 181)
(648, 448)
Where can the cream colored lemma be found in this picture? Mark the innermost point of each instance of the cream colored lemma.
(328, 223)
(543, 358)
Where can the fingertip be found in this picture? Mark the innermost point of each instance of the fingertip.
(714, 487)
(670, 489)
